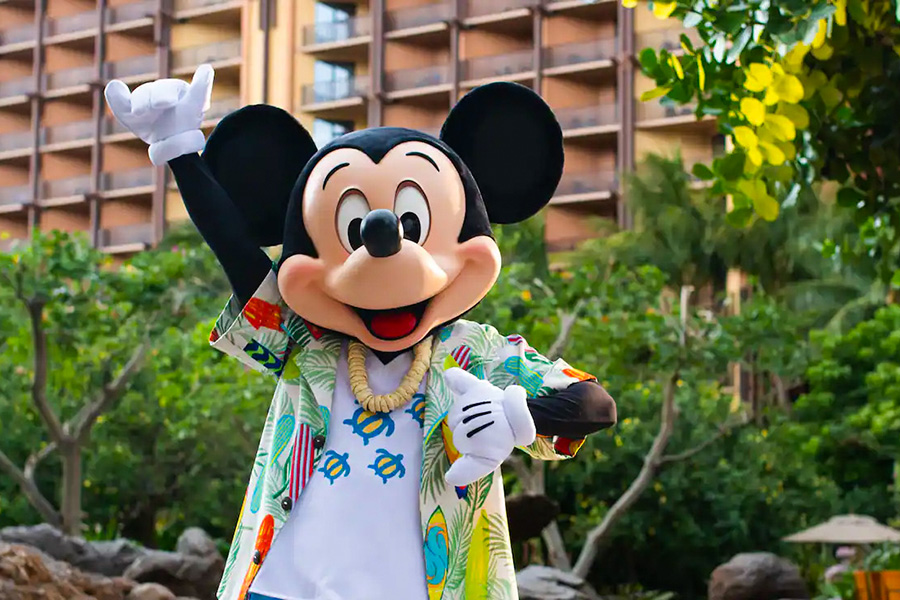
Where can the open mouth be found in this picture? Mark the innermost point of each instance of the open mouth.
(393, 323)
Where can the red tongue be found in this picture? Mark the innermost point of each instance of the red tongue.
(393, 325)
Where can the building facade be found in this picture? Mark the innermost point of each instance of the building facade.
(338, 66)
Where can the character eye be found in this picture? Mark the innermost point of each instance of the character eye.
(412, 208)
(351, 210)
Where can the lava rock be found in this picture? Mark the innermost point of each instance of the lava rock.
(757, 576)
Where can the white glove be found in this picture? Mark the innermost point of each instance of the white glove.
(487, 424)
(166, 113)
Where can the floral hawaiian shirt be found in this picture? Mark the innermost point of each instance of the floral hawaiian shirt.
(464, 532)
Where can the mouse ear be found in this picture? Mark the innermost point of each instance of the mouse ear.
(511, 142)
(256, 154)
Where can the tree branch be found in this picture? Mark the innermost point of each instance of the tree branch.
(31, 491)
(724, 429)
(35, 459)
(517, 463)
(566, 323)
(39, 381)
(597, 536)
(87, 416)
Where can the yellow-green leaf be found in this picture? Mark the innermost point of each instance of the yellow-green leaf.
(676, 65)
(840, 14)
(629, 3)
(831, 96)
(771, 98)
(701, 73)
(789, 88)
(754, 155)
(655, 93)
(753, 110)
(796, 113)
(766, 206)
(781, 127)
(744, 136)
(758, 77)
(663, 10)
(821, 33)
(773, 153)
(823, 52)
(793, 60)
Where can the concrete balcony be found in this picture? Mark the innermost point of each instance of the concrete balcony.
(134, 11)
(190, 58)
(595, 120)
(17, 87)
(417, 16)
(145, 66)
(69, 78)
(337, 33)
(19, 34)
(65, 191)
(424, 77)
(185, 5)
(331, 92)
(70, 24)
(513, 65)
(19, 140)
(562, 58)
(655, 115)
(123, 182)
(221, 107)
(15, 195)
(585, 186)
(126, 238)
(67, 133)
(478, 8)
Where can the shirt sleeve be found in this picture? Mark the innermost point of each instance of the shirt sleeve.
(509, 360)
(262, 332)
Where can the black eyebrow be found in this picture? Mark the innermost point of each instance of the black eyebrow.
(332, 172)
(426, 157)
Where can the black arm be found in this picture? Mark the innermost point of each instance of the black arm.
(221, 225)
(575, 412)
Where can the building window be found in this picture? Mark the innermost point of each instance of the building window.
(325, 131)
(333, 81)
(334, 22)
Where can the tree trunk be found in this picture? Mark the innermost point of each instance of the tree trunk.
(70, 502)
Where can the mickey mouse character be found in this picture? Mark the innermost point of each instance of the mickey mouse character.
(377, 474)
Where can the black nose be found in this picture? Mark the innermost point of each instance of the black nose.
(381, 233)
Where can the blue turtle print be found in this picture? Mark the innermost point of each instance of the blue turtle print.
(417, 409)
(387, 465)
(335, 465)
(368, 425)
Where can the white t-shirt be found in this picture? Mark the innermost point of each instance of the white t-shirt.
(355, 532)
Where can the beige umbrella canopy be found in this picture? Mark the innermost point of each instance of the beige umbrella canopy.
(847, 529)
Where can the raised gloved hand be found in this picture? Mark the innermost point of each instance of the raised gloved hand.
(166, 113)
(487, 424)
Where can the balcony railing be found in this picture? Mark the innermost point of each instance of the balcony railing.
(653, 110)
(123, 235)
(498, 65)
(195, 4)
(16, 87)
(665, 39)
(207, 53)
(17, 35)
(332, 91)
(69, 132)
(406, 79)
(581, 52)
(16, 141)
(71, 23)
(134, 11)
(68, 78)
(580, 117)
(124, 180)
(340, 31)
(17, 194)
(221, 107)
(586, 182)
(131, 67)
(477, 8)
(63, 188)
(417, 16)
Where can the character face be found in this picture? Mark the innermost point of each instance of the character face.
(390, 267)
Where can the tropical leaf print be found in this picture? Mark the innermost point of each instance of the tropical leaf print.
(283, 430)
(319, 366)
(460, 535)
(308, 410)
(434, 466)
(478, 560)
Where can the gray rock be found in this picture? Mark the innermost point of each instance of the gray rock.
(105, 558)
(184, 575)
(546, 583)
(196, 542)
(150, 591)
(757, 576)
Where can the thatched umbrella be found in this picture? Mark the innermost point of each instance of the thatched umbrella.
(847, 529)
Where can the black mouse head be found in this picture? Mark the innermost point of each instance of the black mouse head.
(386, 232)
